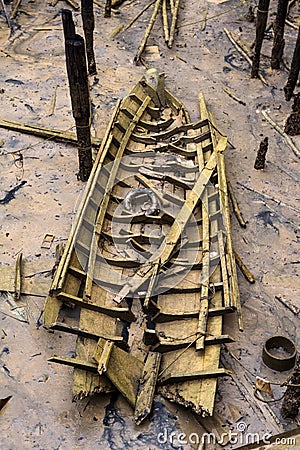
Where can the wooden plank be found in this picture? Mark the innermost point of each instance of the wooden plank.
(147, 385)
(58, 326)
(166, 249)
(151, 286)
(178, 377)
(124, 371)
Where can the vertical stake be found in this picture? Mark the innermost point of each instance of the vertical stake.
(79, 91)
(279, 42)
(87, 14)
(294, 72)
(261, 22)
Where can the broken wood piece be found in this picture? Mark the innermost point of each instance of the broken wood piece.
(53, 101)
(4, 401)
(18, 277)
(292, 124)
(261, 154)
(280, 130)
(235, 205)
(102, 355)
(245, 271)
(146, 389)
(47, 241)
(124, 371)
(233, 96)
(74, 4)
(287, 303)
(44, 132)
(7, 17)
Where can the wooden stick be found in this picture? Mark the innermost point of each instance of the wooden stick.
(278, 27)
(44, 132)
(87, 14)
(53, 101)
(244, 54)
(235, 206)
(174, 23)
(233, 96)
(14, 13)
(294, 309)
(294, 73)
(226, 295)
(80, 97)
(138, 15)
(203, 26)
(261, 23)
(6, 17)
(147, 32)
(165, 21)
(246, 272)
(280, 130)
(18, 278)
(73, 3)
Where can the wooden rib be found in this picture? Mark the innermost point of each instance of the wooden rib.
(164, 252)
(235, 206)
(86, 334)
(226, 295)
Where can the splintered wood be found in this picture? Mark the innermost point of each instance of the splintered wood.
(151, 239)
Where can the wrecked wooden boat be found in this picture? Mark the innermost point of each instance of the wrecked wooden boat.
(149, 264)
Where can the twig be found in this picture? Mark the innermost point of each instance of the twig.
(244, 54)
(279, 202)
(280, 131)
(235, 206)
(147, 32)
(138, 15)
(14, 13)
(291, 24)
(53, 101)
(6, 17)
(233, 96)
(18, 278)
(245, 271)
(204, 20)
(294, 309)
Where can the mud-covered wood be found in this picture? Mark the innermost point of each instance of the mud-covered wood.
(102, 354)
(147, 385)
(278, 26)
(294, 72)
(87, 14)
(261, 23)
(261, 154)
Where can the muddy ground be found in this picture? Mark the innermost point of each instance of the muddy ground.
(40, 413)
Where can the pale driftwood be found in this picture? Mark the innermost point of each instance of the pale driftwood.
(280, 131)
